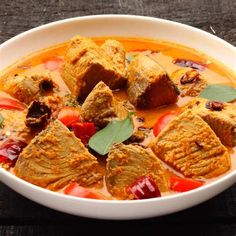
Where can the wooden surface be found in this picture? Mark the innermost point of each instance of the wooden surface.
(20, 216)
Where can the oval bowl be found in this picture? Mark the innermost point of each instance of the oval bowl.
(118, 25)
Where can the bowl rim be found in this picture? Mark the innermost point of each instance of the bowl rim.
(178, 195)
(114, 16)
(5, 174)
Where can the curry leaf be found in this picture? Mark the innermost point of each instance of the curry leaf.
(115, 132)
(219, 92)
(1, 121)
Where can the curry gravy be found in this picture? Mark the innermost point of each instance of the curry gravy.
(163, 52)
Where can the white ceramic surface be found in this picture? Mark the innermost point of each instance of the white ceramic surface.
(119, 25)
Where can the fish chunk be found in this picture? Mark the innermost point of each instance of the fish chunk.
(116, 52)
(13, 126)
(126, 163)
(27, 88)
(86, 64)
(189, 145)
(221, 120)
(56, 157)
(149, 86)
(100, 107)
(190, 82)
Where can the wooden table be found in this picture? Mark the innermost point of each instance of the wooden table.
(20, 216)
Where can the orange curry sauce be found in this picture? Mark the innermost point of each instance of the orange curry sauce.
(165, 53)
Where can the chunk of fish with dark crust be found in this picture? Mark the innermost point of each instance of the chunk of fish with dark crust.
(56, 157)
(126, 163)
(190, 146)
(189, 81)
(27, 88)
(85, 64)
(221, 116)
(100, 107)
(149, 85)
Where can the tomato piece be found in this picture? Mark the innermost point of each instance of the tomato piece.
(144, 188)
(84, 131)
(3, 158)
(53, 63)
(75, 190)
(69, 115)
(163, 120)
(182, 185)
(11, 104)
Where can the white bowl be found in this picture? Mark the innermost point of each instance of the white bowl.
(119, 25)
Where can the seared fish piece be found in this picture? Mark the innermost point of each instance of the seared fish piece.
(100, 107)
(13, 126)
(27, 88)
(126, 163)
(55, 157)
(189, 145)
(86, 64)
(220, 116)
(115, 51)
(190, 82)
(149, 85)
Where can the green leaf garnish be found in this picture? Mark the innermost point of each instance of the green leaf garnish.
(219, 92)
(115, 132)
(1, 121)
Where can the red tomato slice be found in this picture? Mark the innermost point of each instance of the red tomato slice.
(75, 190)
(11, 104)
(3, 158)
(163, 120)
(69, 115)
(84, 131)
(182, 185)
(53, 63)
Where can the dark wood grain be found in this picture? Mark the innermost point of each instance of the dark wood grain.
(20, 216)
(125, 228)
